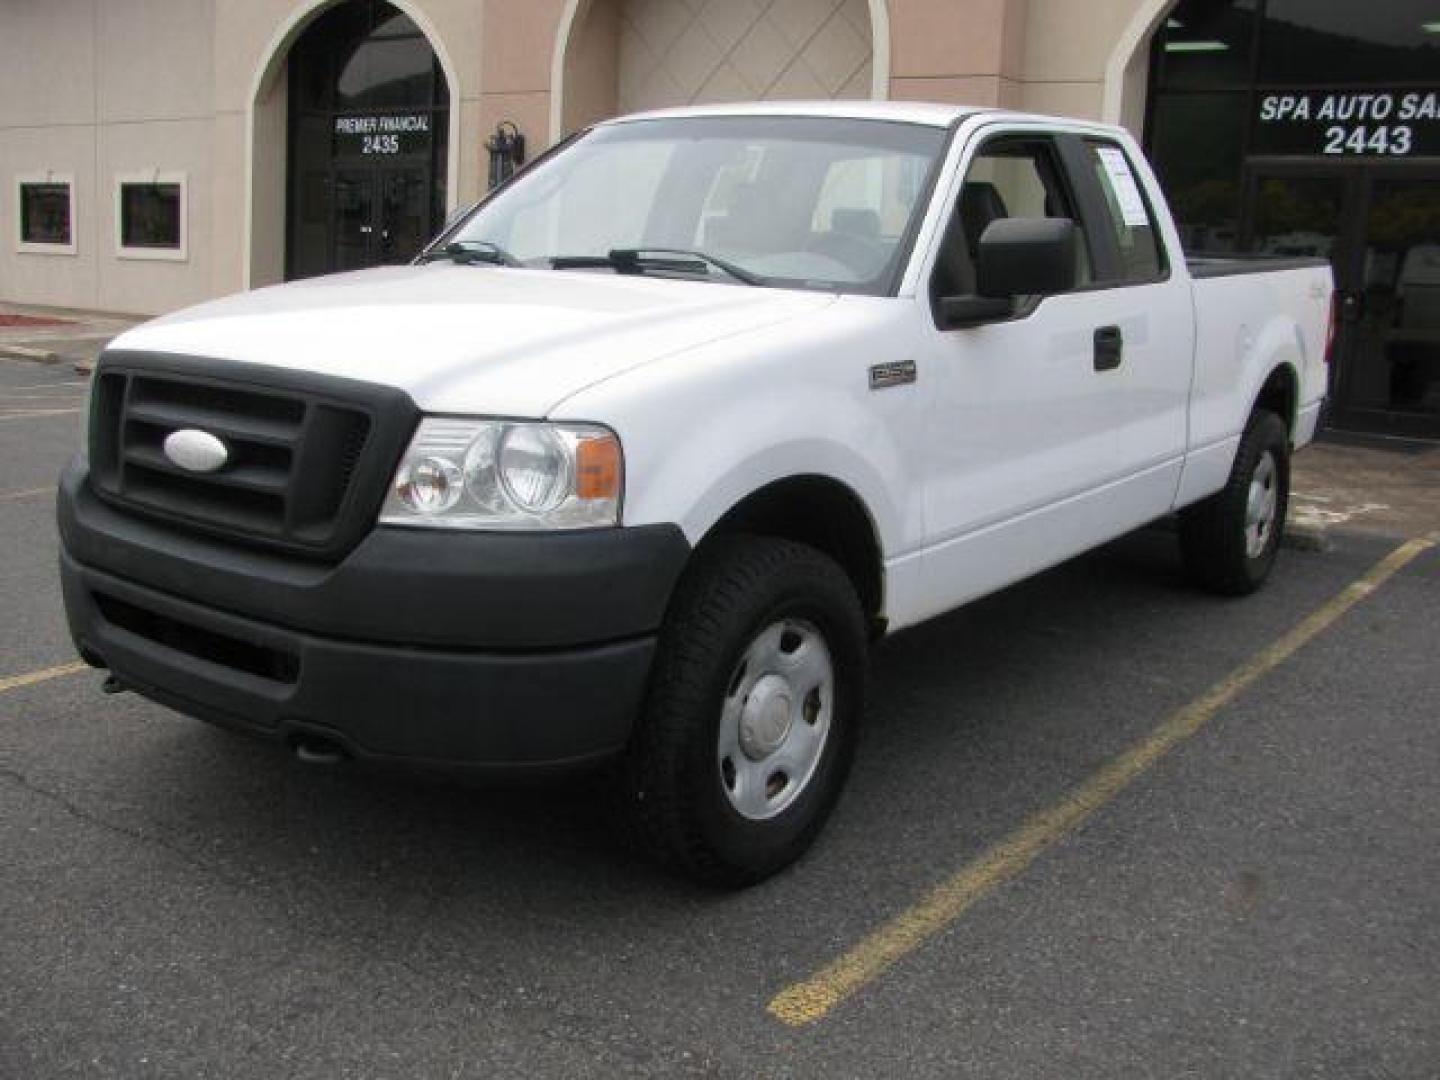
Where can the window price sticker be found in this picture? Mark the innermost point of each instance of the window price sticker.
(1122, 183)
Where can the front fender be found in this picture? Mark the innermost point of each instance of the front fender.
(703, 431)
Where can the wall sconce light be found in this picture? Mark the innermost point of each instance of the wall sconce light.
(507, 152)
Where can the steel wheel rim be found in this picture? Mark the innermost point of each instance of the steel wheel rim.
(1260, 505)
(776, 718)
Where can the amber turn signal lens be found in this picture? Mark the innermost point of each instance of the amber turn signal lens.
(597, 468)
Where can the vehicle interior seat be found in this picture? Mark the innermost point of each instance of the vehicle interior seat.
(856, 221)
(980, 204)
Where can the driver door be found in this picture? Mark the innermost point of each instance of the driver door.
(1024, 446)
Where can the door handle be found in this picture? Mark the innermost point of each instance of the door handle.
(1109, 348)
(1352, 306)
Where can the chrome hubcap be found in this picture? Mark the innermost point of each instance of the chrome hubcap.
(776, 718)
(1260, 506)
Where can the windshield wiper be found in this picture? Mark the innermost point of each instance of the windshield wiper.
(466, 252)
(638, 260)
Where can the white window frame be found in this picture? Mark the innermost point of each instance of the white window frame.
(154, 176)
(25, 247)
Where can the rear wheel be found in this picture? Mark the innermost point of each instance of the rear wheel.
(1230, 540)
(750, 724)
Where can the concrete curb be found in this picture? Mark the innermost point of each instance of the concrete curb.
(24, 352)
(1307, 536)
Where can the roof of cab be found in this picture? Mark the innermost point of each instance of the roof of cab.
(910, 112)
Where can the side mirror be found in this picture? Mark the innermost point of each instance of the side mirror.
(1018, 257)
(1026, 257)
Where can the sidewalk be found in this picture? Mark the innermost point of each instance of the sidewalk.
(1389, 487)
(58, 335)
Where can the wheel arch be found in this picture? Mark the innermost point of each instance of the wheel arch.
(824, 513)
(1280, 394)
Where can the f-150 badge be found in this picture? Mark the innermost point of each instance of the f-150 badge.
(897, 374)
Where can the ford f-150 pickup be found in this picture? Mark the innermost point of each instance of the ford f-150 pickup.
(638, 457)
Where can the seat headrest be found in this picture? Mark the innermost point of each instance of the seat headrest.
(856, 221)
(980, 204)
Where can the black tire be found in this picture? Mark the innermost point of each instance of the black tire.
(672, 792)
(1215, 535)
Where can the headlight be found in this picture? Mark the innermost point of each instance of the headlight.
(496, 474)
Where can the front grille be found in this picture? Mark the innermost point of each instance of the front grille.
(308, 457)
(200, 643)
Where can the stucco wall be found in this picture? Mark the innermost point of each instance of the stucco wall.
(141, 101)
(1069, 48)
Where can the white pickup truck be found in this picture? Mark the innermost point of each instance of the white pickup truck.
(634, 462)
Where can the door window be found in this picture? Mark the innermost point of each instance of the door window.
(1131, 219)
(1011, 176)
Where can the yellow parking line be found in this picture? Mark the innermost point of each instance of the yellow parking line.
(805, 1002)
(28, 493)
(31, 414)
(30, 678)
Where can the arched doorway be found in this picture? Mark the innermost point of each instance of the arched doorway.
(619, 56)
(368, 140)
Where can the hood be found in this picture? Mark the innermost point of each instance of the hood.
(471, 339)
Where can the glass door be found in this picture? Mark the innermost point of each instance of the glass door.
(354, 229)
(1390, 349)
(1380, 229)
(1295, 212)
(1298, 211)
(404, 214)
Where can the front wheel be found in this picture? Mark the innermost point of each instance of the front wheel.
(1230, 540)
(750, 724)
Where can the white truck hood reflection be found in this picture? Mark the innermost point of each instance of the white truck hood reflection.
(471, 339)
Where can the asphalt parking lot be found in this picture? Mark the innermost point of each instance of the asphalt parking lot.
(1101, 826)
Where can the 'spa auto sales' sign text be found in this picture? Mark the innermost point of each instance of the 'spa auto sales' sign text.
(1337, 123)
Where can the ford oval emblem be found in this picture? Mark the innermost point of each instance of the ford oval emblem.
(195, 450)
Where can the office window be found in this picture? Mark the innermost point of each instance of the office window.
(1205, 45)
(150, 216)
(1317, 42)
(45, 214)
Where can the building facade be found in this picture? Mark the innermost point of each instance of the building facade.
(160, 152)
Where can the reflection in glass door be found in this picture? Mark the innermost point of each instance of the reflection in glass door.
(354, 227)
(1297, 214)
(1301, 213)
(404, 221)
(1392, 347)
(1380, 229)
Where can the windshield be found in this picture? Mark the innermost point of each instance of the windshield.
(800, 202)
